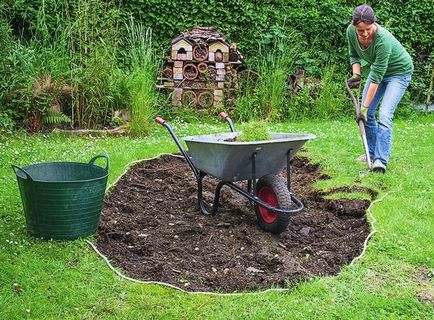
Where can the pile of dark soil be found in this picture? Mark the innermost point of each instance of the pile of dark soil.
(151, 228)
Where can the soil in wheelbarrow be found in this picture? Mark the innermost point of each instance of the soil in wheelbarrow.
(151, 228)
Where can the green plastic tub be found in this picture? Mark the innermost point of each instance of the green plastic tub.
(62, 200)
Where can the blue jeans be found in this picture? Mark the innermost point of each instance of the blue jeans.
(379, 134)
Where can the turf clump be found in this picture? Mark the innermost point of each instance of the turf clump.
(254, 131)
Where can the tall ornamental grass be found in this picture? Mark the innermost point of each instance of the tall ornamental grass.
(331, 102)
(141, 82)
(93, 34)
(265, 95)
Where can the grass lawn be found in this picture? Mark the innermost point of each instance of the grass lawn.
(394, 280)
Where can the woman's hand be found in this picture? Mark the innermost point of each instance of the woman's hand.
(354, 81)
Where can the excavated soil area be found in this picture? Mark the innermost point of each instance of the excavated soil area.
(151, 228)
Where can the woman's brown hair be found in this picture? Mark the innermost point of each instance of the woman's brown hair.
(363, 13)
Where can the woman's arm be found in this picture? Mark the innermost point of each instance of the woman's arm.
(356, 68)
(382, 55)
(372, 90)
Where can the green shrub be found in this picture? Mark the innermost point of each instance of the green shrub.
(411, 22)
(32, 81)
(7, 124)
(6, 44)
(33, 75)
(75, 44)
(246, 108)
(5, 41)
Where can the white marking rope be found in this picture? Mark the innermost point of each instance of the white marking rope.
(127, 167)
(365, 244)
(373, 230)
(175, 287)
(163, 283)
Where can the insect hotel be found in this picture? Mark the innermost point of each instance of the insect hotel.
(201, 69)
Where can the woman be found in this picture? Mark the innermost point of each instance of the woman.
(389, 76)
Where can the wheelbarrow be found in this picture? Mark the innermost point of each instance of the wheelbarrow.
(221, 156)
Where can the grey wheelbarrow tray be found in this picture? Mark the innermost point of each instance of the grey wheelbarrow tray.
(222, 157)
(228, 160)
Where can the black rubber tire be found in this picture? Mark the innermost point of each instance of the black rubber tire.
(273, 190)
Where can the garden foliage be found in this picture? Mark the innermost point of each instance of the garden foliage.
(77, 56)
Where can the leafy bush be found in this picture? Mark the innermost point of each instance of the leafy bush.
(411, 22)
(274, 67)
(79, 57)
(95, 75)
(6, 44)
(7, 125)
(31, 83)
(5, 41)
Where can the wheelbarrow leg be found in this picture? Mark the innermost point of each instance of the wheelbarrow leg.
(202, 206)
(288, 169)
(251, 184)
(201, 203)
(254, 173)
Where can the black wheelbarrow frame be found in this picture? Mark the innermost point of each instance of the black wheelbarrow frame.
(272, 198)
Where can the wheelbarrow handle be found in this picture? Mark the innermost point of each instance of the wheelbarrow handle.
(226, 117)
(160, 120)
(165, 124)
(223, 115)
(91, 161)
(16, 168)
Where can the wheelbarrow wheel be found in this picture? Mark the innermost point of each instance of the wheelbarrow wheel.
(272, 190)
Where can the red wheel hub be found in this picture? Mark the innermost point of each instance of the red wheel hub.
(267, 195)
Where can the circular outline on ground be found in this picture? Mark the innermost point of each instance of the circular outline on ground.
(127, 167)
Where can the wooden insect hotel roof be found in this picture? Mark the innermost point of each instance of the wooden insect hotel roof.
(201, 36)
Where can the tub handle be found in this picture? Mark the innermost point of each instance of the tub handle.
(91, 162)
(16, 168)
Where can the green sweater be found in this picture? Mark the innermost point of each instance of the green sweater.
(385, 54)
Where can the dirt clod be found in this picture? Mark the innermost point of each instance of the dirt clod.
(151, 228)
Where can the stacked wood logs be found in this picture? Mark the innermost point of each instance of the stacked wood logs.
(200, 70)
